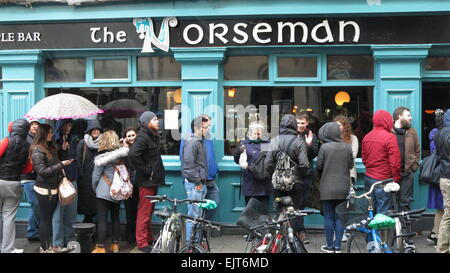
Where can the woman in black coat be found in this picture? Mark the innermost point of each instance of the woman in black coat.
(87, 150)
(49, 174)
(251, 187)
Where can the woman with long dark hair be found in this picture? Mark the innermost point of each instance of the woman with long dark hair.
(49, 174)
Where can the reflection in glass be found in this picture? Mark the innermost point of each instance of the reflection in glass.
(319, 101)
(240, 68)
(158, 69)
(65, 70)
(111, 69)
(350, 67)
(299, 67)
(437, 63)
(124, 105)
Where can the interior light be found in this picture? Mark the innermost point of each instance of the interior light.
(231, 92)
(341, 97)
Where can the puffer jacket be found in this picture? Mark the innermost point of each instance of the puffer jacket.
(380, 152)
(16, 154)
(334, 162)
(48, 170)
(297, 151)
(104, 166)
(442, 141)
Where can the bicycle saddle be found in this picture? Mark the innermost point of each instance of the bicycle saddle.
(284, 201)
(164, 213)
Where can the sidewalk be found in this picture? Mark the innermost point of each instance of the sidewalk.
(237, 244)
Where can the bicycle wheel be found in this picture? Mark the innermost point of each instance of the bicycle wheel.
(172, 237)
(357, 242)
(396, 239)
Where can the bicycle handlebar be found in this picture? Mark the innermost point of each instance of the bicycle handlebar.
(373, 187)
(159, 198)
(289, 214)
(405, 213)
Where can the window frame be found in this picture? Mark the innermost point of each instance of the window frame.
(347, 80)
(277, 78)
(90, 70)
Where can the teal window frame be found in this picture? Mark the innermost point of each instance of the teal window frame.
(90, 69)
(273, 62)
(436, 75)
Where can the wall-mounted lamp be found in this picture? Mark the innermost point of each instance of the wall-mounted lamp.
(231, 92)
(341, 97)
(430, 111)
(177, 96)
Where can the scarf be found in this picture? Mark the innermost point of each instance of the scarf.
(91, 143)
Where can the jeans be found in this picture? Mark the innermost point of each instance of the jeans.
(333, 226)
(33, 219)
(10, 196)
(196, 192)
(381, 199)
(212, 193)
(47, 205)
(443, 245)
(103, 207)
(63, 219)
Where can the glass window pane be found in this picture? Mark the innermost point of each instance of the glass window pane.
(65, 70)
(299, 67)
(350, 67)
(438, 63)
(123, 106)
(318, 101)
(158, 69)
(111, 69)
(246, 68)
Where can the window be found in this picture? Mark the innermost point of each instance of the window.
(437, 63)
(240, 68)
(111, 69)
(350, 67)
(319, 101)
(65, 70)
(123, 106)
(158, 69)
(297, 67)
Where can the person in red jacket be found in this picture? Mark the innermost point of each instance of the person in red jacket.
(381, 157)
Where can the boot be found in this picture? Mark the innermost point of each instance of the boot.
(115, 247)
(99, 249)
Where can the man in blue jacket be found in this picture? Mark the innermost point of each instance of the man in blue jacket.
(212, 190)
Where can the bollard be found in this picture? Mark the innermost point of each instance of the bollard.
(84, 233)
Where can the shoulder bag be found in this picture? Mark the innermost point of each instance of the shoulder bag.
(66, 191)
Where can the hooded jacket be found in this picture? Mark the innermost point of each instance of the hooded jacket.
(15, 154)
(380, 152)
(297, 151)
(442, 141)
(104, 166)
(72, 169)
(334, 162)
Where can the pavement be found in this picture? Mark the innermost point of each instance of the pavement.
(237, 244)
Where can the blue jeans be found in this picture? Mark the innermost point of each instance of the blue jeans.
(212, 193)
(33, 219)
(63, 219)
(381, 199)
(333, 226)
(196, 193)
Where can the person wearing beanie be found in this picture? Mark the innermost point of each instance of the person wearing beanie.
(381, 157)
(145, 156)
(87, 150)
(442, 141)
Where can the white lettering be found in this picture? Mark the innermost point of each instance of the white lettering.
(242, 33)
(343, 24)
(261, 28)
(20, 36)
(212, 32)
(121, 36)
(107, 34)
(200, 34)
(292, 26)
(37, 36)
(328, 38)
(93, 31)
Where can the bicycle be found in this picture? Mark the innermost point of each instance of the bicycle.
(363, 238)
(402, 241)
(172, 236)
(276, 236)
(199, 244)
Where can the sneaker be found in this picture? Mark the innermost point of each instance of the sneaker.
(432, 238)
(337, 250)
(60, 249)
(48, 250)
(99, 249)
(115, 247)
(16, 250)
(326, 249)
(146, 249)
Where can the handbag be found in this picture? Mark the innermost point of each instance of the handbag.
(430, 169)
(66, 191)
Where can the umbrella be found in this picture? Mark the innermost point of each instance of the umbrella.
(123, 108)
(63, 106)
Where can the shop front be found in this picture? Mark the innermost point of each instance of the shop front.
(233, 67)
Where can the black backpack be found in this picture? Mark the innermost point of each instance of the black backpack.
(257, 169)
